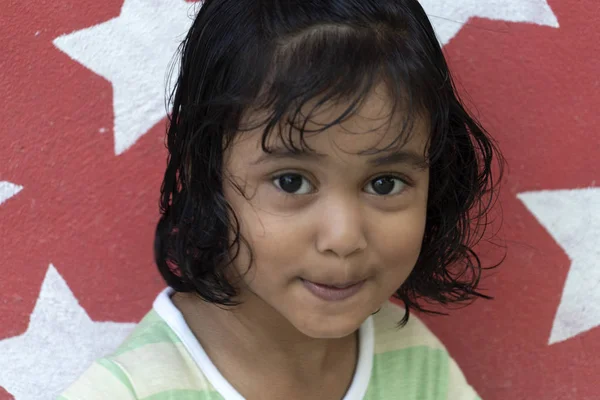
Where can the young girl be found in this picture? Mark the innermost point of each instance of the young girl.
(320, 163)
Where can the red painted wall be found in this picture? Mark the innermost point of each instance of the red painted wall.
(81, 158)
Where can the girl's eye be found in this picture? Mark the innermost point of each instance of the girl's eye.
(385, 186)
(293, 184)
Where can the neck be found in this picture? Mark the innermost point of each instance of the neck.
(250, 329)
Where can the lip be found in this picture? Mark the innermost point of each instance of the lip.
(333, 293)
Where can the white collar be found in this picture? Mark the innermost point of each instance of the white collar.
(165, 308)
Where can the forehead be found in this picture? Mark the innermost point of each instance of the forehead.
(377, 123)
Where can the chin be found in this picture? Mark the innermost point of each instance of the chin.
(329, 328)
(329, 334)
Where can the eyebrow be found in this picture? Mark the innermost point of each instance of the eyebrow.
(411, 158)
(408, 157)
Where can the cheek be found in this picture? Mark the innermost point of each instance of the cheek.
(277, 242)
(399, 242)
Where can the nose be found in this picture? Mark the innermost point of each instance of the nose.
(341, 228)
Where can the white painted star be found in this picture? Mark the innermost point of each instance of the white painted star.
(8, 190)
(449, 16)
(572, 217)
(59, 344)
(133, 51)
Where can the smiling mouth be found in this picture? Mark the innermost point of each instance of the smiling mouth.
(334, 292)
(337, 286)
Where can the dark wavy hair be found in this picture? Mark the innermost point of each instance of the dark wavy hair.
(277, 55)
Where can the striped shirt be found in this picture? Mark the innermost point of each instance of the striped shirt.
(162, 360)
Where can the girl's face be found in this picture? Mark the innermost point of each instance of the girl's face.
(330, 217)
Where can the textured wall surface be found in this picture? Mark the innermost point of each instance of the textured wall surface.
(81, 158)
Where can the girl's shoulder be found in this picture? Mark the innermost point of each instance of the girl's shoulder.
(151, 363)
(411, 360)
